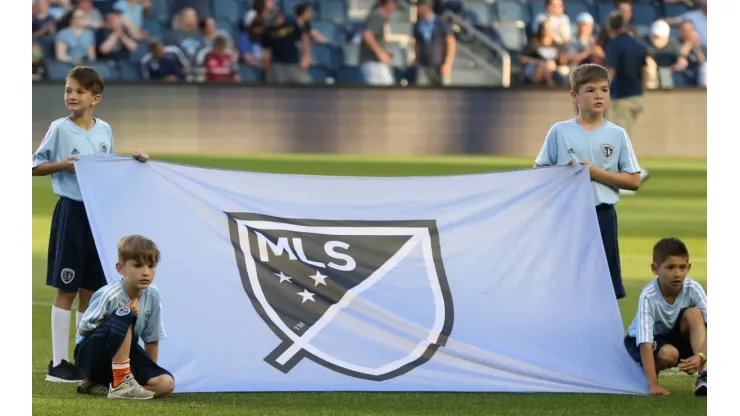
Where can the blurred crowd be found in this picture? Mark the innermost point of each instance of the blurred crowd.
(377, 42)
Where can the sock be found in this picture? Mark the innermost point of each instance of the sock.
(60, 334)
(78, 318)
(120, 370)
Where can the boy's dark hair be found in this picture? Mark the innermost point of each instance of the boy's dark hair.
(138, 248)
(615, 21)
(88, 78)
(585, 74)
(219, 42)
(301, 8)
(669, 247)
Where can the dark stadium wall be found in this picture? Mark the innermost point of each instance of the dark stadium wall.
(236, 119)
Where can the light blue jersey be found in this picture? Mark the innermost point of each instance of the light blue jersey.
(655, 316)
(607, 147)
(149, 325)
(65, 139)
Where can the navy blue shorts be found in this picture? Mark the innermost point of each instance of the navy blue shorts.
(94, 355)
(608, 225)
(73, 260)
(674, 338)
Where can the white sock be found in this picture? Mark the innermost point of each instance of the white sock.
(60, 334)
(78, 318)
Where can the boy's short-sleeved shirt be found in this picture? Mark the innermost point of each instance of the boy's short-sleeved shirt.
(607, 147)
(108, 299)
(655, 316)
(64, 139)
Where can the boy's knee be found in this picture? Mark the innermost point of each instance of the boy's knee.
(163, 385)
(692, 315)
(668, 356)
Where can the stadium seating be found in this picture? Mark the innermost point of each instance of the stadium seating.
(506, 22)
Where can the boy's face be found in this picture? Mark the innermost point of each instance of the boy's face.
(137, 273)
(592, 97)
(77, 98)
(671, 273)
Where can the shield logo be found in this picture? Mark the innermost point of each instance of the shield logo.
(367, 299)
(103, 148)
(607, 151)
(67, 275)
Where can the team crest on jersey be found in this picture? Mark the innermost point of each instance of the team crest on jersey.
(123, 311)
(103, 148)
(309, 280)
(67, 275)
(607, 151)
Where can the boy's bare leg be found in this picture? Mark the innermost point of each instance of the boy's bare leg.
(124, 385)
(161, 386)
(693, 327)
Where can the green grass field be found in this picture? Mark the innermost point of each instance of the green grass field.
(672, 202)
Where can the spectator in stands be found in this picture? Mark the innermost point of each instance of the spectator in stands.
(434, 45)
(114, 43)
(186, 35)
(284, 62)
(93, 18)
(39, 71)
(374, 60)
(104, 6)
(219, 62)
(692, 49)
(542, 56)
(250, 48)
(625, 60)
(133, 12)
(304, 14)
(583, 49)
(264, 9)
(624, 7)
(698, 18)
(199, 6)
(43, 23)
(58, 8)
(76, 43)
(210, 32)
(164, 63)
(559, 21)
(662, 53)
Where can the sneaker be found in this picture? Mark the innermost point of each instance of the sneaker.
(64, 372)
(129, 389)
(644, 175)
(90, 387)
(700, 389)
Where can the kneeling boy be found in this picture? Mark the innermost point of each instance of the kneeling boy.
(108, 353)
(670, 327)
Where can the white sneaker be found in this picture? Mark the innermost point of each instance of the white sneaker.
(129, 389)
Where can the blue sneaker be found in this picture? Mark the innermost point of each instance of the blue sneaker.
(700, 389)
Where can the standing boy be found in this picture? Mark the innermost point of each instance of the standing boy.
(602, 146)
(670, 327)
(108, 350)
(72, 265)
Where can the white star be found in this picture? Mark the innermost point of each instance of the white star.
(283, 278)
(306, 295)
(319, 278)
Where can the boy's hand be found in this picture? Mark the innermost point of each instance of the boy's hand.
(140, 156)
(657, 390)
(690, 365)
(133, 304)
(69, 164)
(591, 167)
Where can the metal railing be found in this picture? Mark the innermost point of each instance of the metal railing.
(465, 29)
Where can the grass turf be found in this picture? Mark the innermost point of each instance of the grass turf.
(672, 202)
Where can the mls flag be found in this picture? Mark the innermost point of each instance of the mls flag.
(275, 282)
